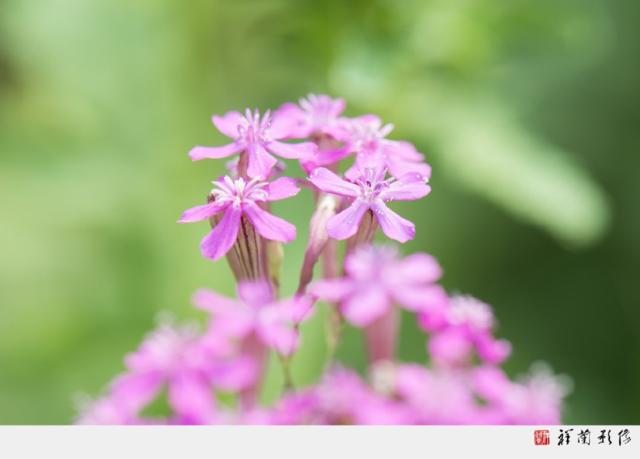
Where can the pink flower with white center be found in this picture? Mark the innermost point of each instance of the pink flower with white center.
(370, 192)
(238, 198)
(256, 312)
(376, 279)
(467, 324)
(366, 137)
(257, 136)
(314, 115)
(317, 116)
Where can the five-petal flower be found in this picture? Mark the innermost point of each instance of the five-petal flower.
(238, 198)
(257, 136)
(366, 137)
(314, 115)
(369, 192)
(256, 312)
(376, 279)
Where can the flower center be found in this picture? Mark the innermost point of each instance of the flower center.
(254, 128)
(238, 191)
(371, 184)
(319, 109)
(367, 134)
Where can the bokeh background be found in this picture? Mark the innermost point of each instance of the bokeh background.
(528, 110)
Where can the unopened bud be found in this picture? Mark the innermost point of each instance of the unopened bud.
(318, 237)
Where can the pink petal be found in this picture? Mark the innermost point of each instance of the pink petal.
(282, 188)
(288, 122)
(346, 223)
(329, 182)
(234, 375)
(269, 226)
(491, 350)
(218, 242)
(365, 306)
(297, 308)
(409, 187)
(292, 150)
(401, 150)
(198, 153)
(398, 168)
(210, 301)
(491, 383)
(234, 323)
(276, 330)
(300, 308)
(415, 269)
(332, 290)
(392, 224)
(256, 293)
(135, 390)
(191, 399)
(228, 123)
(199, 213)
(339, 105)
(323, 158)
(369, 118)
(429, 298)
(260, 162)
(449, 347)
(366, 161)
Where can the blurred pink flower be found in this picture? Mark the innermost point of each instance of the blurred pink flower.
(467, 324)
(313, 115)
(366, 137)
(175, 358)
(256, 311)
(376, 279)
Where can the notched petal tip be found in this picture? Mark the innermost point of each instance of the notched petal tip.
(282, 188)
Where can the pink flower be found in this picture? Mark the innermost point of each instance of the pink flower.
(169, 356)
(256, 136)
(467, 324)
(176, 358)
(342, 397)
(315, 115)
(538, 398)
(370, 191)
(257, 311)
(437, 396)
(366, 137)
(237, 198)
(535, 399)
(376, 279)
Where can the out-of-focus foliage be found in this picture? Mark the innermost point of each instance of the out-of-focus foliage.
(527, 109)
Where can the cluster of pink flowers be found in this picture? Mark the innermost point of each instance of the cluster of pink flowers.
(368, 288)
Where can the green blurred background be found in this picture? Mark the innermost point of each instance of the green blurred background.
(528, 110)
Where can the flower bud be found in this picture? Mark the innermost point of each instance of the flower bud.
(318, 237)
